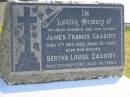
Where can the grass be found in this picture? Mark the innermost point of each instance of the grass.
(127, 53)
(127, 29)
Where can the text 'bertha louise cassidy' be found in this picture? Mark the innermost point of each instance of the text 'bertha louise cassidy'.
(81, 57)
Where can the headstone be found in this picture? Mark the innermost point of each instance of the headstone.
(52, 42)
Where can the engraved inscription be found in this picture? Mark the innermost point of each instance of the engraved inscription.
(82, 39)
(54, 37)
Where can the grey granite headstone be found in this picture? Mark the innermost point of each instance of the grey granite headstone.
(51, 42)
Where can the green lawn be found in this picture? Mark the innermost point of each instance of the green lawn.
(127, 52)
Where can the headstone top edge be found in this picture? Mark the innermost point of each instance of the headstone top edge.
(72, 4)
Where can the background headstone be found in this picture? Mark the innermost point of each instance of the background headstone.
(51, 42)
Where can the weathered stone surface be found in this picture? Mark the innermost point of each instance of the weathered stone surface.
(51, 42)
(5, 46)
